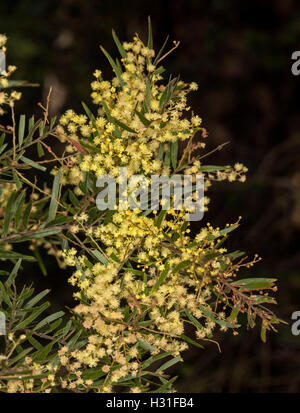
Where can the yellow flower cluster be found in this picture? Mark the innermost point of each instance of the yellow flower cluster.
(123, 134)
(152, 277)
(129, 307)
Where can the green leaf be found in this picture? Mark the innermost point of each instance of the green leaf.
(3, 147)
(40, 261)
(36, 299)
(114, 66)
(14, 273)
(162, 277)
(142, 118)
(11, 255)
(93, 373)
(21, 129)
(49, 319)
(17, 180)
(223, 232)
(20, 356)
(161, 151)
(73, 199)
(212, 168)
(111, 119)
(88, 112)
(54, 196)
(2, 137)
(33, 164)
(52, 122)
(19, 207)
(170, 363)
(160, 218)
(160, 51)
(153, 359)
(174, 153)
(43, 353)
(34, 342)
(234, 312)
(8, 215)
(263, 333)
(167, 160)
(37, 234)
(40, 150)
(255, 283)
(119, 45)
(150, 37)
(166, 386)
(100, 256)
(4, 295)
(26, 214)
(209, 314)
(148, 93)
(145, 345)
(181, 266)
(191, 341)
(123, 126)
(32, 317)
(194, 320)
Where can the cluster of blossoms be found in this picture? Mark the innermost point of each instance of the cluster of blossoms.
(135, 118)
(155, 278)
(146, 294)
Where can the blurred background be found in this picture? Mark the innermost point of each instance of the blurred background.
(239, 53)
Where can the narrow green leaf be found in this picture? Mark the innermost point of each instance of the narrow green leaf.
(36, 299)
(14, 273)
(17, 180)
(150, 37)
(142, 118)
(100, 256)
(40, 261)
(191, 341)
(161, 151)
(11, 255)
(40, 150)
(145, 345)
(119, 45)
(26, 215)
(255, 283)
(113, 65)
(167, 160)
(54, 196)
(8, 215)
(32, 317)
(170, 363)
(174, 153)
(33, 164)
(37, 235)
(21, 129)
(49, 319)
(162, 277)
(160, 51)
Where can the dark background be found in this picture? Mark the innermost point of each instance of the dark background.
(239, 52)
